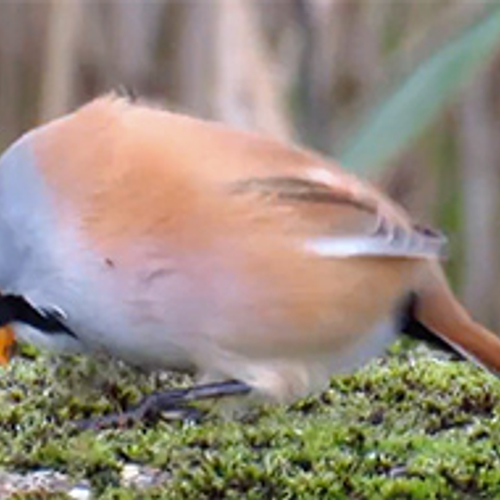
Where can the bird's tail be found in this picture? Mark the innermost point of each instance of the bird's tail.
(438, 310)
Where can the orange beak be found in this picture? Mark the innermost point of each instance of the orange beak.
(7, 342)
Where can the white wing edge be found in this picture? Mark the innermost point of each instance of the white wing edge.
(359, 246)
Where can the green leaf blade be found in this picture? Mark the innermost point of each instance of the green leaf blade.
(395, 123)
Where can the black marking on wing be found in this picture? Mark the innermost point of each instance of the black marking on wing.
(297, 189)
(383, 239)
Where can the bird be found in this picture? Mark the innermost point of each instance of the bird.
(172, 242)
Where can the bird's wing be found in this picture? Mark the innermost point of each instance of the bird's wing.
(339, 223)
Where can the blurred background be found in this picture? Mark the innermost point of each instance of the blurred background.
(405, 92)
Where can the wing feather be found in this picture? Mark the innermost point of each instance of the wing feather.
(341, 225)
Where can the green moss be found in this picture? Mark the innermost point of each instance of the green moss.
(42, 495)
(409, 427)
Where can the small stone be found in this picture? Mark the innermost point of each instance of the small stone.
(41, 481)
(142, 477)
(80, 492)
(129, 473)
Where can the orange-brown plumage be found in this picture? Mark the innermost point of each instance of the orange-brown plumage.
(232, 253)
(7, 342)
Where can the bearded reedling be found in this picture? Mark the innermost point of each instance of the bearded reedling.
(176, 243)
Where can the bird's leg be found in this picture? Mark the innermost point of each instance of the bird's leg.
(173, 403)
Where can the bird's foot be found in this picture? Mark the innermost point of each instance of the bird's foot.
(168, 405)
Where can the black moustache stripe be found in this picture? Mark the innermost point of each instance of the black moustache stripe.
(15, 308)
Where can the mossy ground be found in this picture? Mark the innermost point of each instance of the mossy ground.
(410, 426)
